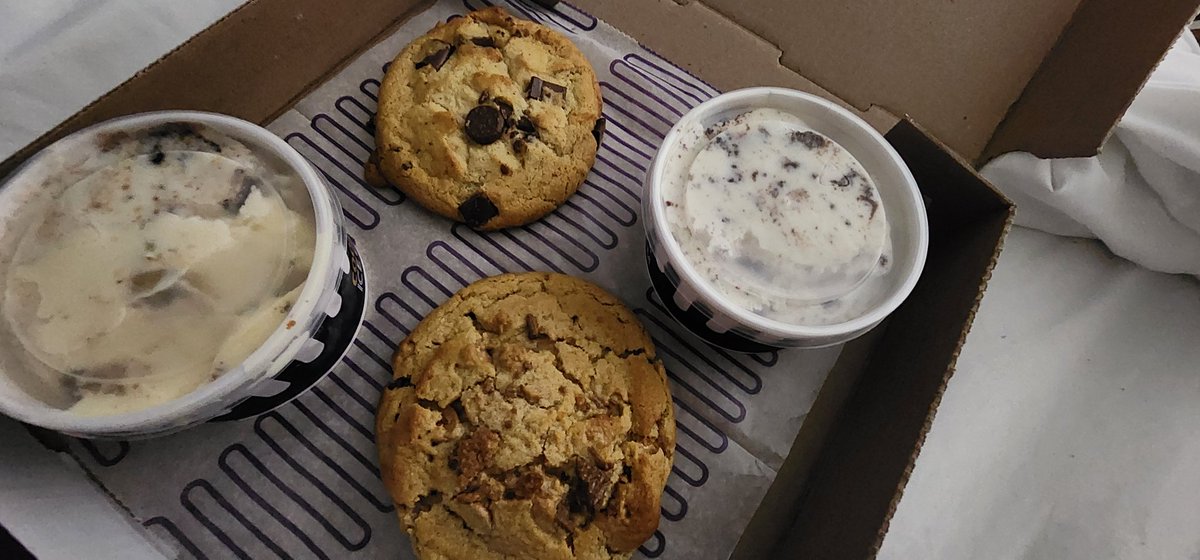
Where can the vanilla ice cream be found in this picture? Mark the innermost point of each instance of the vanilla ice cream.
(778, 218)
(148, 266)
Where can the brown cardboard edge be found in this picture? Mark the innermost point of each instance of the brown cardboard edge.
(969, 143)
(744, 59)
(825, 513)
(1055, 117)
(1062, 89)
(962, 161)
(765, 530)
(950, 370)
(1009, 217)
(398, 10)
(809, 537)
(416, 8)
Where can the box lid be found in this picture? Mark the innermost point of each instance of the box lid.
(1047, 76)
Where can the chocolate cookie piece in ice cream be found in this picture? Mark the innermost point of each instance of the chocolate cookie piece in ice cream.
(149, 266)
(779, 219)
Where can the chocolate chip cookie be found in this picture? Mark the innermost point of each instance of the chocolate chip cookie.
(528, 418)
(487, 119)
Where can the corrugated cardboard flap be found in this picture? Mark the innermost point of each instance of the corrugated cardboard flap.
(958, 67)
(1090, 77)
(855, 484)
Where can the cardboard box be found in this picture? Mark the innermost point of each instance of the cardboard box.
(980, 78)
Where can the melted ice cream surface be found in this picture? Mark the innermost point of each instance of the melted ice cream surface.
(155, 266)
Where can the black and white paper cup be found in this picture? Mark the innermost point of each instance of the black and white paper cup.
(693, 300)
(317, 329)
(320, 351)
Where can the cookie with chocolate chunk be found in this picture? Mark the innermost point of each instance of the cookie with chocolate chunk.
(528, 417)
(487, 119)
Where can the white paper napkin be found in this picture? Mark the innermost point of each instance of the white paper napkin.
(1141, 194)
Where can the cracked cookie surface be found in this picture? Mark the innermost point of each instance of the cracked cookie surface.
(528, 417)
(487, 119)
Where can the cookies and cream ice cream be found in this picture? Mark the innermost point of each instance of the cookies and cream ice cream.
(778, 218)
(148, 265)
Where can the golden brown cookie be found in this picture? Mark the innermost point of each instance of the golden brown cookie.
(487, 119)
(528, 418)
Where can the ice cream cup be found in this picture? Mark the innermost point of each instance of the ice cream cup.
(697, 305)
(314, 335)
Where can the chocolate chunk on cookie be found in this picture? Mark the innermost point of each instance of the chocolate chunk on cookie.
(506, 110)
(477, 210)
(599, 128)
(485, 124)
(534, 420)
(437, 58)
(542, 90)
(488, 99)
(525, 125)
(371, 173)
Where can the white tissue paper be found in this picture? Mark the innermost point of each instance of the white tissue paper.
(1141, 194)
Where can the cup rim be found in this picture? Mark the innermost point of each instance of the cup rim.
(771, 327)
(270, 356)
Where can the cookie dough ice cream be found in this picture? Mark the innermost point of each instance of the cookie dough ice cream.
(147, 266)
(780, 219)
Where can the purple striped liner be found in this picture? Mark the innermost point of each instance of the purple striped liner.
(564, 17)
(645, 91)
